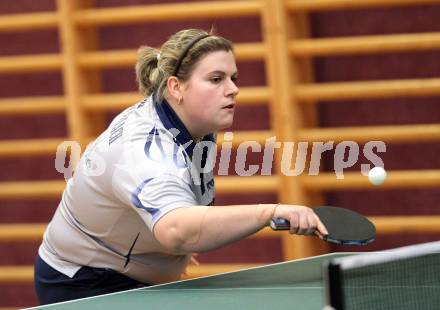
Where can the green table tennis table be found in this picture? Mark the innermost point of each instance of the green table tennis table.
(295, 284)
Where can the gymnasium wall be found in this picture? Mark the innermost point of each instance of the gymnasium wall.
(326, 69)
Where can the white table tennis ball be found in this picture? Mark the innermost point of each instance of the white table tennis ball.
(377, 175)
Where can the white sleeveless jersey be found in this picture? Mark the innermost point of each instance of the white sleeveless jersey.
(142, 167)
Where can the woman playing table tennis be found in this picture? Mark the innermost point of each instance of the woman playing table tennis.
(138, 204)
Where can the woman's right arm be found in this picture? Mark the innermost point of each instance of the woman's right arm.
(202, 228)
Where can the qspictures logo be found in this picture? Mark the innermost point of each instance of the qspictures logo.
(206, 155)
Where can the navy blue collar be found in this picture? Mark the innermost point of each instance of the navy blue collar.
(171, 120)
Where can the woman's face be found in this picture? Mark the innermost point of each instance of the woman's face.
(209, 95)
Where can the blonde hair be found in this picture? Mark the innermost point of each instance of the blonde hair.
(188, 46)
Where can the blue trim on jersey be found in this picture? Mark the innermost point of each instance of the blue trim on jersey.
(153, 135)
(171, 120)
(138, 204)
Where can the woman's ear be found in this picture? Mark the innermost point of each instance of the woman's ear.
(174, 88)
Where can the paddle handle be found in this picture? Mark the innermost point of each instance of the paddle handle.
(279, 224)
(283, 224)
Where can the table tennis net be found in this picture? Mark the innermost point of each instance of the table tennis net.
(404, 278)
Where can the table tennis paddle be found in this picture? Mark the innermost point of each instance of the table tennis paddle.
(345, 227)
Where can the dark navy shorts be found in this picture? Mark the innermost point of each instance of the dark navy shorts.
(53, 286)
